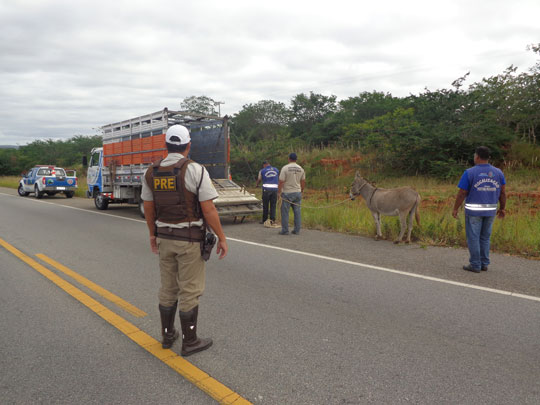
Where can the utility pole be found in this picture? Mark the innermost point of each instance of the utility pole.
(218, 103)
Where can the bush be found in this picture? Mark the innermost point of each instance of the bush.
(523, 154)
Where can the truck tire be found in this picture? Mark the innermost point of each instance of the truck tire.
(101, 202)
(21, 191)
(70, 194)
(38, 194)
(141, 208)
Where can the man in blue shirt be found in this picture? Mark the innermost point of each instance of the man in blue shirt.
(482, 187)
(269, 176)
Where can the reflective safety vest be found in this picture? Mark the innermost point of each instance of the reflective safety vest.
(270, 178)
(173, 202)
(483, 182)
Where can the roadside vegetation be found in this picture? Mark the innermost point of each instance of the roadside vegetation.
(326, 205)
(425, 141)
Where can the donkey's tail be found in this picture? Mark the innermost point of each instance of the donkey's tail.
(416, 210)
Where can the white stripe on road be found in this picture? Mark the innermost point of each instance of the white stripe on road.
(75, 208)
(404, 273)
(333, 259)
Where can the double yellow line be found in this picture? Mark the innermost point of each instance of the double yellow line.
(199, 378)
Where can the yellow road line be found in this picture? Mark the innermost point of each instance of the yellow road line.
(94, 287)
(199, 378)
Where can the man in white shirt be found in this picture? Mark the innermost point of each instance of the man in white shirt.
(292, 180)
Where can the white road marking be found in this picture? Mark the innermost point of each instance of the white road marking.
(333, 259)
(75, 208)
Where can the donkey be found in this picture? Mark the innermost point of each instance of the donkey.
(402, 201)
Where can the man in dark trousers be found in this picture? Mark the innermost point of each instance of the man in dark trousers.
(178, 194)
(269, 176)
(482, 187)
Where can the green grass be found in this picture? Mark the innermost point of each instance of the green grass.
(328, 208)
(9, 181)
(517, 234)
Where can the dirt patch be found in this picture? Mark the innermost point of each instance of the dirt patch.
(344, 164)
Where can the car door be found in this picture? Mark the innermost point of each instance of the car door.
(93, 177)
(28, 183)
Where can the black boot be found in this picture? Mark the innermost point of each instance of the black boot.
(190, 342)
(167, 325)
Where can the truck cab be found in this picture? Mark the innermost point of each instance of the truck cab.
(94, 179)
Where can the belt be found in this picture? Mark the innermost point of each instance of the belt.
(190, 234)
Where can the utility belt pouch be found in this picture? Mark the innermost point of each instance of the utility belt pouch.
(207, 245)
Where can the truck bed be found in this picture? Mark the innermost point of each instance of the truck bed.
(234, 200)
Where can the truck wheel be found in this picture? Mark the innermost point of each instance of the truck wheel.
(21, 191)
(101, 202)
(141, 208)
(70, 194)
(38, 194)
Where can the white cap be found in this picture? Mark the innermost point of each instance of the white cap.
(180, 132)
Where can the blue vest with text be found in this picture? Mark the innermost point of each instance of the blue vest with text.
(483, 182)
(270, 178)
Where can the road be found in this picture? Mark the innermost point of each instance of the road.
(319, 318)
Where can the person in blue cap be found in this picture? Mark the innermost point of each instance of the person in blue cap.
(269, 176)
(482, 187)
(292, 181)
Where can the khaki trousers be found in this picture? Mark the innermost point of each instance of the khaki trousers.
(182, 273)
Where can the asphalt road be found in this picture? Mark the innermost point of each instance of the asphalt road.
(319, 318)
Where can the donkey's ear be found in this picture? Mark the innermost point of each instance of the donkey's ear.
(357, 174)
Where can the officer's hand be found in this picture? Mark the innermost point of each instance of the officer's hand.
(153, 245)
(222, 248)
(455, 213)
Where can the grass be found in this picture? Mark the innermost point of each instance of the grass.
(326, 206)
(517, 234)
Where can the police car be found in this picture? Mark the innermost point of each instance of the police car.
(50, 180)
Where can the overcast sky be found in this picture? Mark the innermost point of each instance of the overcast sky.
(69, 67)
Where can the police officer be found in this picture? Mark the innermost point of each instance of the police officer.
(269, 176)
(482, 187)
(178, 194)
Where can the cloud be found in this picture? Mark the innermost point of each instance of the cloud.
(67, 68)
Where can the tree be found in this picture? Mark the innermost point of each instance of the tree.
(67, 154)
(262, 120)
(202, 105)
(355, 110)
(307, 111)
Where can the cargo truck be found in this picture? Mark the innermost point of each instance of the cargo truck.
(116, 169)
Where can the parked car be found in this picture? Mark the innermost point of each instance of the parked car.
(48, 180)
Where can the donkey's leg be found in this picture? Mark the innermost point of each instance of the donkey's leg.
(410, 224)
(403, 226)
(377, 218)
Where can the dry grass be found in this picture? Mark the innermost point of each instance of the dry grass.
(517, 234)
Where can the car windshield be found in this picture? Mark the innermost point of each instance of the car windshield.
(60, 172)
(44, 172)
